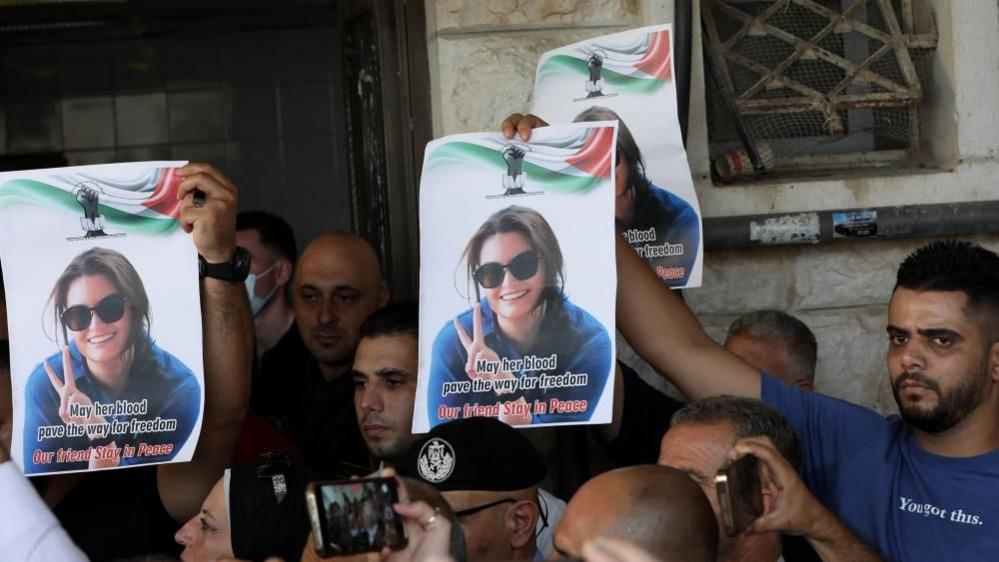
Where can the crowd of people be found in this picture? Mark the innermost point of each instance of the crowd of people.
(311, 375)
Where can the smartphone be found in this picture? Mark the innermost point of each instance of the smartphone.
(740, 494)
(354, 516)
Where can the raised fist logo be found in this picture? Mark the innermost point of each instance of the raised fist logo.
(88, 196)
(594, 86)
(514, 180)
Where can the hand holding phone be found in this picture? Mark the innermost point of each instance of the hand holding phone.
(355, 516)
(740, 494)
(793, 509)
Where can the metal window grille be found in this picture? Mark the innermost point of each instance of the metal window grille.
(799, 85)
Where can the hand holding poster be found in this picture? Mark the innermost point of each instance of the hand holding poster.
(91, 257)
(517, 277)
(628, 77)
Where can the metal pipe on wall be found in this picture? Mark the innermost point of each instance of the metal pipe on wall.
(878, 223)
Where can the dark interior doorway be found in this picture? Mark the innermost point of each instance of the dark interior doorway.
(256, 87)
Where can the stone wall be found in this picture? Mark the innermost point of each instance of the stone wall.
(483, 55)
(840, 291)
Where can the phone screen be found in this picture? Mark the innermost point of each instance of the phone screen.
(355, 516)
(740, 494)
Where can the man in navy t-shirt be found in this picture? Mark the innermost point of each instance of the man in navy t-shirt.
(922, 486)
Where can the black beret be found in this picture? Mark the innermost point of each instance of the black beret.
(482, 454)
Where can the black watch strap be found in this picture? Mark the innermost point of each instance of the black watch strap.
(234, 270)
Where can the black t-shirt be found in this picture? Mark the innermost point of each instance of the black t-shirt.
(316, 414)
(273, 393)
(118, 514)
(645, 419)
(325, 426)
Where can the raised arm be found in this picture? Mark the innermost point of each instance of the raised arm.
(663, 331)
(793, 510)
(658, 325)
(208, 212)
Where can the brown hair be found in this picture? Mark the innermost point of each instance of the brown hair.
(540, 236)
(626, 145)
(117, 269)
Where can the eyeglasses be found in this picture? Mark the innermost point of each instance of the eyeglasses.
(542, 511)
(478, 508)
(110, 309)
(524, 266)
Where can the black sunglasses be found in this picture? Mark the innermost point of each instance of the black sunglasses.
(524, 266)
(110, 309)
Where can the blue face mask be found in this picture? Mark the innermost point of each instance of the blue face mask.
(257, 303)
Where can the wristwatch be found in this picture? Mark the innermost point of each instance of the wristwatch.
(234, 270)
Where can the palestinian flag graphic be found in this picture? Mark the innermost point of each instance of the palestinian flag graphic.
(631, 65)
(144, 202)
(575, 162)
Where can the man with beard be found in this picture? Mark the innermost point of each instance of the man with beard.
(338, 284)
(385, 368)
(919, 487)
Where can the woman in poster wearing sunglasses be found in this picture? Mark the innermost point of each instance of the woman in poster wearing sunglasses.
(109, 361)
(523, 316)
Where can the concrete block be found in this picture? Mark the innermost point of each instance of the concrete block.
(33, 127)
(851, 360)
(142, 119)
(466, 15)
(197, 116)
(848, 274)
(856, 273)
(486, 77)
(739, 281)
(88, 123)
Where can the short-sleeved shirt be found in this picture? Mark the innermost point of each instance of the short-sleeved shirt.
(907, 503)
(577, 339)
(172, 393)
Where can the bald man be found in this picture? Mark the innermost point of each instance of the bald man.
(657, 508)
(337, 285)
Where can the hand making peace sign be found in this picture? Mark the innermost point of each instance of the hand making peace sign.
(70, 394)
(478, 351)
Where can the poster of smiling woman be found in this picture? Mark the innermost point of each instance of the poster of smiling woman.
(517, 277)
(628, 77)
(104, 317)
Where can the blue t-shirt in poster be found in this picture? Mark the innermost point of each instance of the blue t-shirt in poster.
(172, 393)
(577, 339)
(675, 224)
(907, 503)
